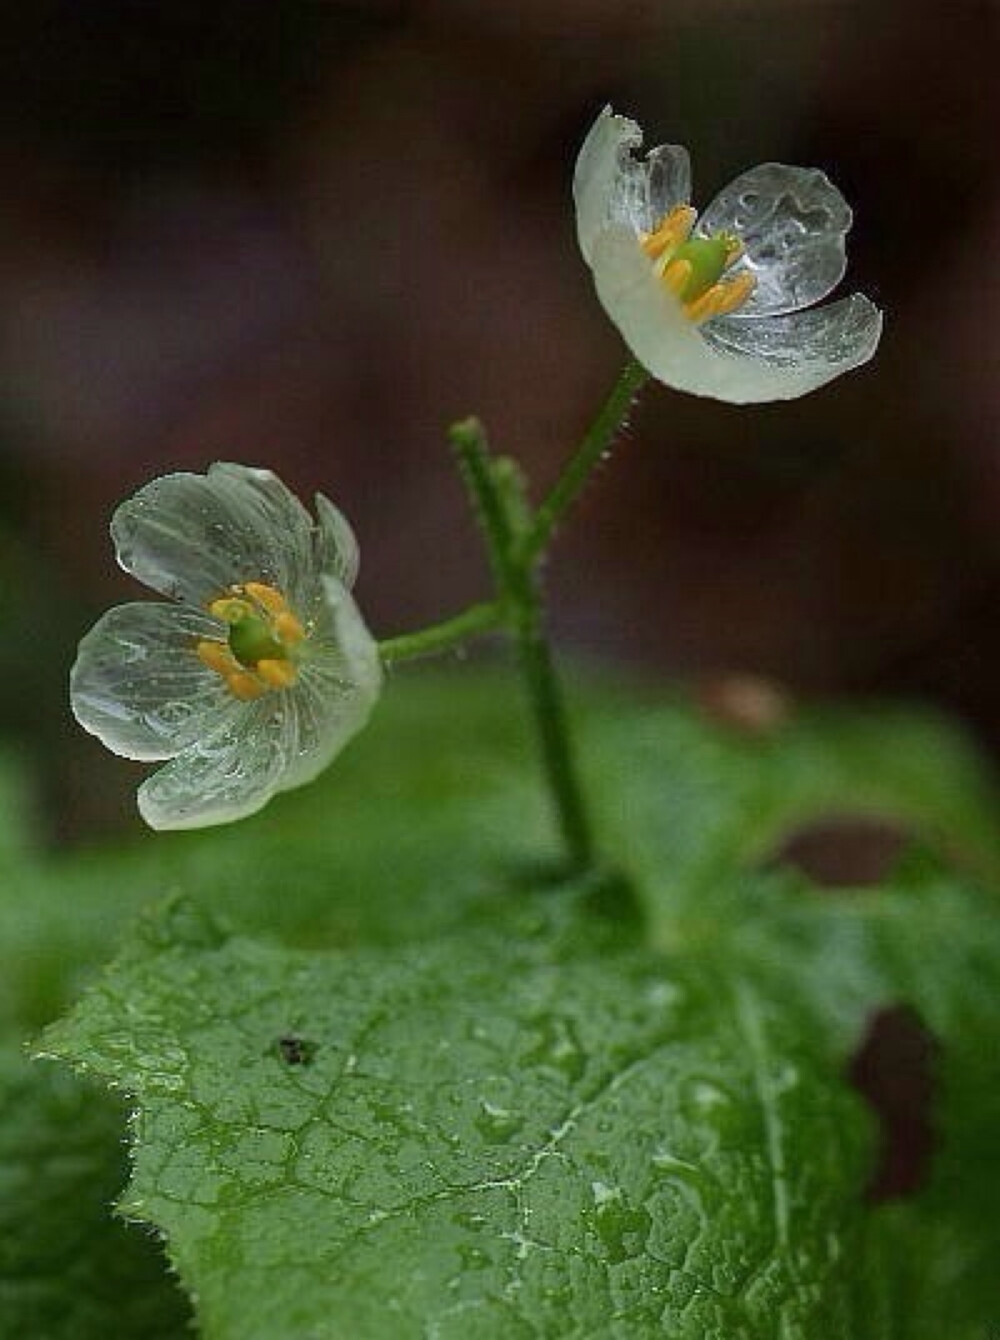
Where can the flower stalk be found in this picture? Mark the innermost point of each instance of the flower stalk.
(497, 494)
(594, 448)
(517, 539)
(485, 617)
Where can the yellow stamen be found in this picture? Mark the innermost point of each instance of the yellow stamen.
(217, 656)
(244, 686)
(676, 275)
(254, 660)
(721, 298)
(288, 627)
(734, 248)
(277, 674)
(230, 609)
(670, 232)
(271, 599)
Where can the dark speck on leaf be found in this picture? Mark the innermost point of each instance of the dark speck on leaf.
(294, 1050)
(895, 1070)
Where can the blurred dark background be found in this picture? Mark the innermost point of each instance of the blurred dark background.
(307, 235)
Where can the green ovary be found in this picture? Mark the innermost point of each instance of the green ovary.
(708, 258)
(251, 640)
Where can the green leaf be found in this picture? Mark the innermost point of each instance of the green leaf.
(501, 1134)
(518, 1058)
(68, 1269)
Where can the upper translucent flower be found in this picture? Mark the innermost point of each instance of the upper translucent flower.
(259, 674)
(715, 304)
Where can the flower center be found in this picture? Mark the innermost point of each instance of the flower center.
(693, 267)
(260, 651)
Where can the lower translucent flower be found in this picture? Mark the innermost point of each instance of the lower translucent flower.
(719, 304)
(259, 674)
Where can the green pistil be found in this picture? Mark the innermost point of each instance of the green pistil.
(707, 257)
(251, 640)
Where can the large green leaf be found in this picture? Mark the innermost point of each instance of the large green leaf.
(491, 1135)
(496, 1112)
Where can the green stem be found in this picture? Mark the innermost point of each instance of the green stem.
(549, 710)
(492, 509)
(592, 450)
(443, 636)
(498, 499)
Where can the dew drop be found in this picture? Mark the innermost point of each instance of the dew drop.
(497, 1124)
(622, 1228)
(665, 1162)
(703, 1099)
(175, 713)
(557, 1046)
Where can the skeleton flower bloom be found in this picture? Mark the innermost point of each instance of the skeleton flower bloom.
(260, 672)
(719, 305)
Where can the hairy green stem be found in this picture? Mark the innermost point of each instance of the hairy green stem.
(516, 540)
(443, 636)
(498, 500)
(591, 451)
(490, 500)
(549, 711)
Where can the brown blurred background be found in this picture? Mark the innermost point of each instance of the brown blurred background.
(307, 235)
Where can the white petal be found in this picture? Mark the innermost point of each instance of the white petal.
(801, 353)
(192, 536)
(649, 317)
(611, 186)
(807, 348)
(281, 740)
(138, 685)
(792, 222)
(226, 775)
(335, 548)
(339, 682)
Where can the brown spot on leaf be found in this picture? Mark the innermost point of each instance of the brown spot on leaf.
(748, 704)
(846, 850)
(894, 1071)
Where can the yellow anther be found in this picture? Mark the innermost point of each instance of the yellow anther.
(277, 674)
(216, 656)
(230, 609)
(271, 599)
(253, 661)
(721, 298)
(288, 627)
(245, 686)
(705, 307)
(676, 276)
(670, 232)
(734, 248)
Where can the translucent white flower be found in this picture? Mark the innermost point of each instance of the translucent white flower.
(719, 305)
(260, 672)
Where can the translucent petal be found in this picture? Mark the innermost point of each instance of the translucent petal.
(138, 685)
(281, 740)
(611, 186)
(809, 347)
(792, 222)
(192, 536)
(225, 775)
(760, 364)
(335, 548)
(339, 683)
